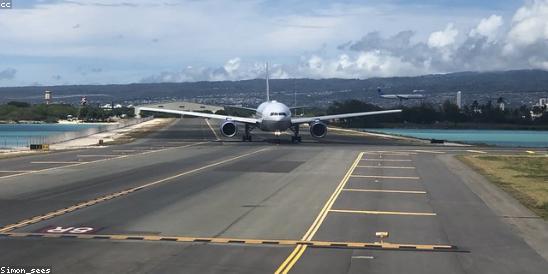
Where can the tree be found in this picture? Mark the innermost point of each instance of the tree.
(452, 113)
(18, 104)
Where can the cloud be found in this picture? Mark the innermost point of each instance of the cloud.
(232, 65)
(529, 32)
(191, 40)
(233, 69)
(488, 27)
(443, 38)
(8, 74)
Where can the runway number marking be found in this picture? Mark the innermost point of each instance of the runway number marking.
(69, 230)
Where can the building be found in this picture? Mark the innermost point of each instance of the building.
(47, 97)
(540, 108)
(459, 99)
(543, 102)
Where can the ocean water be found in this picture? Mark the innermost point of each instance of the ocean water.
(506, 138)
(21, 135)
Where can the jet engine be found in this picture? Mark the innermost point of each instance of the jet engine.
(229, 129)
(318, 129)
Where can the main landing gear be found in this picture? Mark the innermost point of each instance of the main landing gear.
(296, 138)
(247, 134)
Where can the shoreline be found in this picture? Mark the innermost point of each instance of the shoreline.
(461, 126)
(486, 142)
(90, 141)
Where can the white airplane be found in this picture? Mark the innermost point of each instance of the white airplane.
(401, 96)
(272, 116)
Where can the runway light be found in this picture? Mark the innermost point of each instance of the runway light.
(381, 235)
(277, 133)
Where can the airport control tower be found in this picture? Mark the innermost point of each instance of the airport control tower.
(47, 97)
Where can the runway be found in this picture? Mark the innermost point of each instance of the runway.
(187, 200)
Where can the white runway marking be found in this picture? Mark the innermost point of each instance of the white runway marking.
(212, 130)
(476, 151)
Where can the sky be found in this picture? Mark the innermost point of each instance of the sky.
(53, 42)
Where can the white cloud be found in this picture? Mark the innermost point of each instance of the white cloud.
(190, 40)
(529, 25)
(232, 65)
(488, 27)
(443, 38)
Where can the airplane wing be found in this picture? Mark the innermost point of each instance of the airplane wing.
(204, 115)
(246, 108)
(298, 107)
(341, 116)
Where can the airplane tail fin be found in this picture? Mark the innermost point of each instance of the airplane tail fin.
(267, 86)
(379, 91)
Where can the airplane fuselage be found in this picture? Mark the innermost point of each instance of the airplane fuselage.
(273, 116)
(402, 96)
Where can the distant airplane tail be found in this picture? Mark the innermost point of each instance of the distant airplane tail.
(379, 91)
(267, 86)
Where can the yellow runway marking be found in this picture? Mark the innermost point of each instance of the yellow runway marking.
(74, 164)
(323, 213)
(286, 266)
(385, 191)
(212, 130)
(396, 167)
(288, 263)
(375, 212)
(117, 194)
(385, 177)
(13, 171)
(476, 151)
(124, 150)
(388, 160)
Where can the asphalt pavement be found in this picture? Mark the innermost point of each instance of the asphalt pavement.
(187, 200)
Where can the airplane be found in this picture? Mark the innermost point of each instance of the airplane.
(272, 116)
(401, 96)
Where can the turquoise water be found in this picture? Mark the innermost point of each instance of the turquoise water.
(507, 138)
(19, 135)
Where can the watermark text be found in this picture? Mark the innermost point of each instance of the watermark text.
(5, 4)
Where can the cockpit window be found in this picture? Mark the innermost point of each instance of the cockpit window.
(278, 114)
